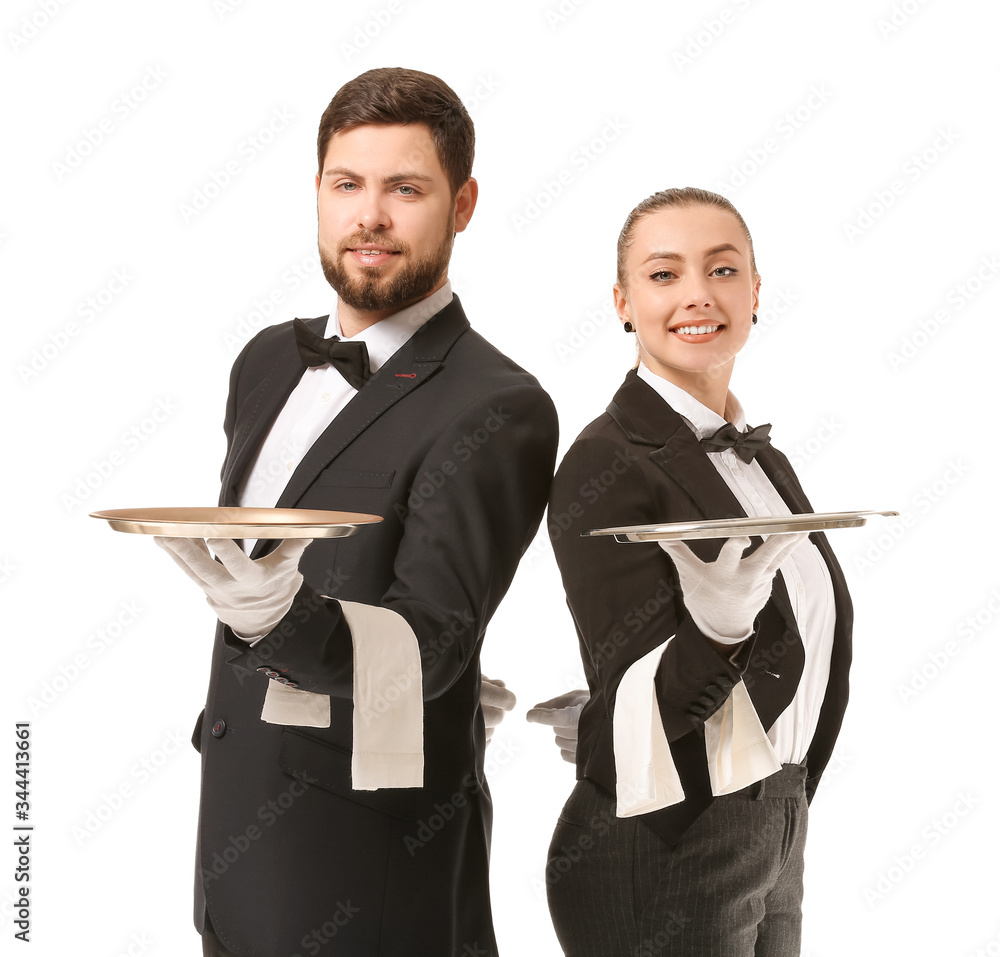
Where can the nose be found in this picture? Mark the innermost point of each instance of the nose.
(373, 214)
(696, 293)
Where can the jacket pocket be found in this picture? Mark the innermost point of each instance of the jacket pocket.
(329, 767)
(352, 478)
(196, 735)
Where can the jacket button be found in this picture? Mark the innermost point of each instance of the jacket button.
(694, 709)
(219, 728)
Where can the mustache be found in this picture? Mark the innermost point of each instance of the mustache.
(366, 237)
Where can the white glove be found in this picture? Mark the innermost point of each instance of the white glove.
(251, 596)
(724, 597)
(562, 714)
(496, 701)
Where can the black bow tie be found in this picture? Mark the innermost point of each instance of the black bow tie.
(745, 444)
(350, 359)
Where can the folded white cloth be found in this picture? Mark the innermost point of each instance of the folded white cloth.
(388, 748)
(284, 705)
(737, 749)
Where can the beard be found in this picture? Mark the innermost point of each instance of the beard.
(372, 293)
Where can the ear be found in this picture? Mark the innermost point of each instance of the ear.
(465, 204)
(621, 301)
(756, 295)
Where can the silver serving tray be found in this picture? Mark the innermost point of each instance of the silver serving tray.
(236, 522)
(737, 527)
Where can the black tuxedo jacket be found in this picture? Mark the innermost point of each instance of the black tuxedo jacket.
(640, 463)
(454, 445)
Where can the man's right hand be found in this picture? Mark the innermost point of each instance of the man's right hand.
(251, 596)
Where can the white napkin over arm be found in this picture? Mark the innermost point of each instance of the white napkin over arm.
(388, 747)
(737, 749)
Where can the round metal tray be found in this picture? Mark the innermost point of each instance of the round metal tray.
(737, 527)
(236, 522)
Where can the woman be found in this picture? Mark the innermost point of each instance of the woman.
(685, 831)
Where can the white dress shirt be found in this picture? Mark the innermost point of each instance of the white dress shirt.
(320, 396)
(807, 579)
(738, 752)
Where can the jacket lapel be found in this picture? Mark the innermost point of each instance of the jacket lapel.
(264, 402)
(649, 420)
(413, 364)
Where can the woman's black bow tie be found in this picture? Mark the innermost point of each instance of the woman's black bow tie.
(745, 444)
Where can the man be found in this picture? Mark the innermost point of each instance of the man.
(323, 828)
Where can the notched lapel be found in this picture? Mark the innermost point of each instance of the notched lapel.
(260, 407)
(646, 419)
(413, 364)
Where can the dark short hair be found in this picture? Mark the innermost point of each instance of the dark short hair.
(396, 95)
(676, 197)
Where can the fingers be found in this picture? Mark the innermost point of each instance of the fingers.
(680, 552)
(578, 696)
(492, 716)
(285, 558)
(735, 546)
(232, 556)
(561, 713)
(776, 549)
(192, 556)
(495, 694)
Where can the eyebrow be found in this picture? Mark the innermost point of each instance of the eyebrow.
(677, 257)
(406, 176)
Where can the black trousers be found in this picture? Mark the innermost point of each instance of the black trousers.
(732, 887)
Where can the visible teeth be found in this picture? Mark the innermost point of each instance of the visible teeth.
(371, 252)
(696, 330)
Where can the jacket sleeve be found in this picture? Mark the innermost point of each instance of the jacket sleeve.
(458, 553)
(625, 598)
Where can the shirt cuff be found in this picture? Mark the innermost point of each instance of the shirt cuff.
(737, 749)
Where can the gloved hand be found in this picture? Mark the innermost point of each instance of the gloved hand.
(496, 701)
(724, 597)
(562, 714)
(251, 596)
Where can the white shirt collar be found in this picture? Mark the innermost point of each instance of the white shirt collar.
(702, 420)
(386, 336)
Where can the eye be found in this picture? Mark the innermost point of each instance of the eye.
(723, 271)
(662, 275)
(406, 191)
(346, 187)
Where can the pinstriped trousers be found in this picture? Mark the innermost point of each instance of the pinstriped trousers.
(732, 887)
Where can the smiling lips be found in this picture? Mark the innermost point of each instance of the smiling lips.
(372, 255)
(705, 332)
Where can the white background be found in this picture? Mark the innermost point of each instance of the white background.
(622, 99)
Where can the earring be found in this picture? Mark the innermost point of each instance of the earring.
(628, 327)
(753, 318)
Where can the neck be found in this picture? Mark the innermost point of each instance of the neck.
(710, 388)
(353, 320)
